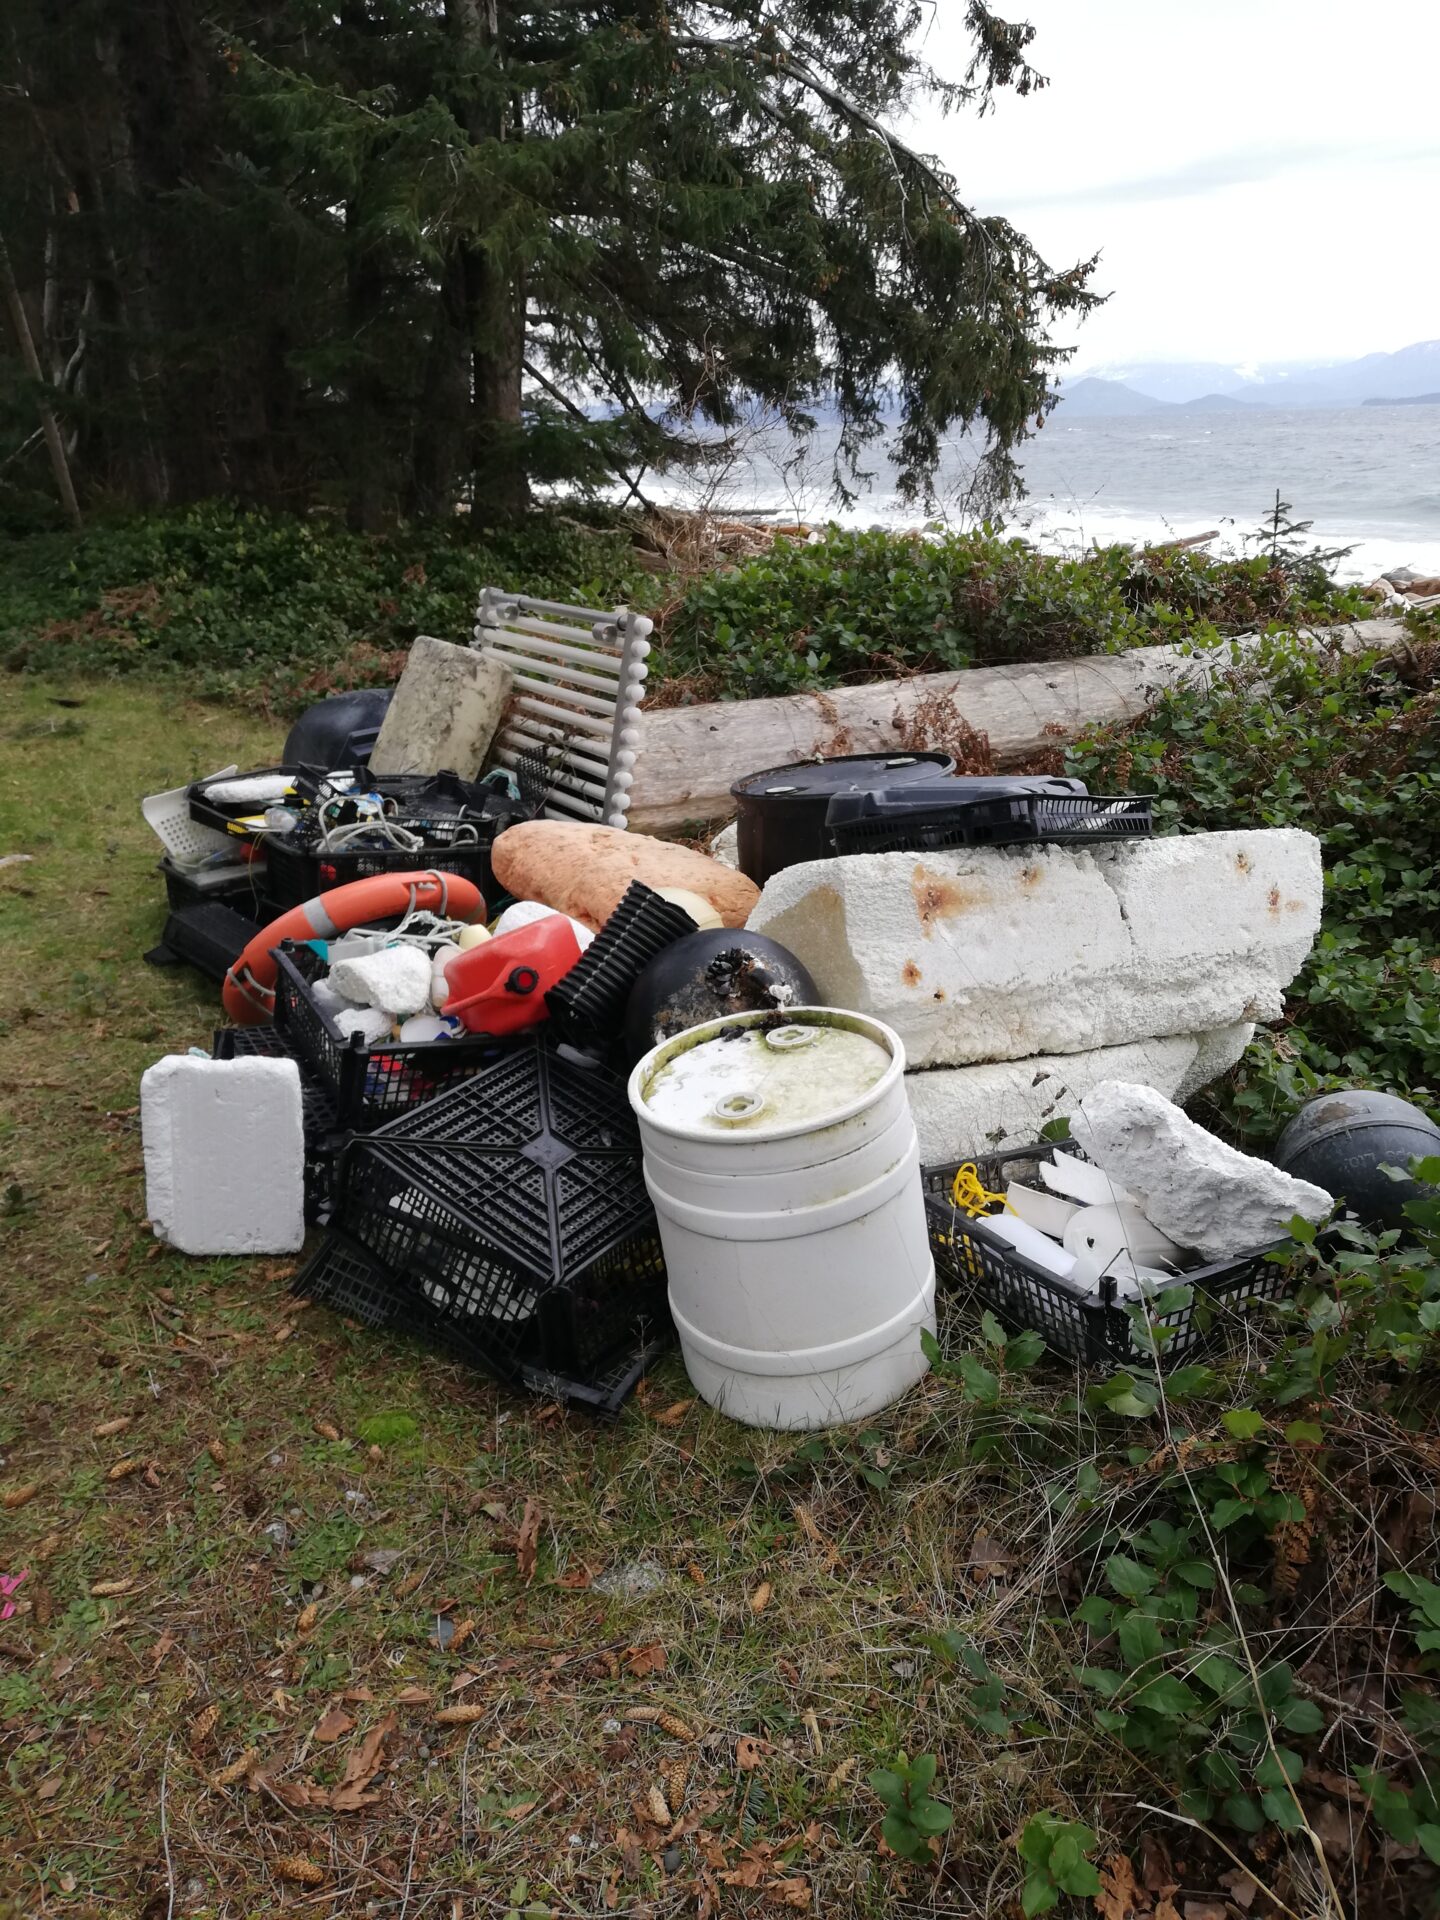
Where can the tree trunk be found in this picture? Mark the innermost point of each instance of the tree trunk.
(365, 294)
(55, 446)
(441, 455)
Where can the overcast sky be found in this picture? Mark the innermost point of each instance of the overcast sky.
(1260, 177)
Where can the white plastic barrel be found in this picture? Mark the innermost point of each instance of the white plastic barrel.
(782, 1160)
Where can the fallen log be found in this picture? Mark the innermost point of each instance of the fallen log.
(690, 755)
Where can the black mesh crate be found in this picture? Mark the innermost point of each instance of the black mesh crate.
(882, 823)
(1093, 1328)
(507, 1222)
(240, 886)
(323, 1136)
(298, 872)
(369, 1085)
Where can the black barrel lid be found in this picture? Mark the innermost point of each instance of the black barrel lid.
(845, 773)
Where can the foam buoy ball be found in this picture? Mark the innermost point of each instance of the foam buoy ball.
(1340, 1141)
(701, 976)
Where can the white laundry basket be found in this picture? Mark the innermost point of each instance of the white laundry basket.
(782, 1160)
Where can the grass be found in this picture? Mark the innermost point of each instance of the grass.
(229, 1594)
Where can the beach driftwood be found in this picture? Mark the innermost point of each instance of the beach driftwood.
(690, 755)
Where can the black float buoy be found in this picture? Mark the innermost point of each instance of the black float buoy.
(1340, 1141)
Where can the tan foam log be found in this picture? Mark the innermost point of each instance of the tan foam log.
(690, 755)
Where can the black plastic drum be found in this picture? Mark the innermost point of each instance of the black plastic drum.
(781, 811)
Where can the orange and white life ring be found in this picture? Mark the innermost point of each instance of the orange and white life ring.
(249, 990)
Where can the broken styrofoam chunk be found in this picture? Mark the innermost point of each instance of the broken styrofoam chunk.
(1001, 953)
(448, 703)
(962, 1113)
(1204, 1194)
(397, 979)
(425, 1027)
(725, 847)
(224, 1148)
(369, 1022)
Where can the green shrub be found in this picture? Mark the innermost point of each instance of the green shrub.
(1347, 747)
(269, 607)
(856, 606)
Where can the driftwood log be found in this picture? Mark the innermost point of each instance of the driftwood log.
(690, 755)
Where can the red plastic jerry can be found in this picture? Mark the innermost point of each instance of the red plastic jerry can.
(500, 986)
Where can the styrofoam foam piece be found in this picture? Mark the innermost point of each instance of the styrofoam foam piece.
(1001, 953)
(396, 979)
(252, 790)
(369, 1022)
(224, 1148)
(965, 1112)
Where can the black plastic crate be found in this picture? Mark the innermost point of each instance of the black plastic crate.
(298, 872)
(507, 1222)
(1083, 1326)
(588, 1005)
(870, 825)
(323, 1135)
(221, 813)
(369, 1085)
(210, 937)
(240, 885)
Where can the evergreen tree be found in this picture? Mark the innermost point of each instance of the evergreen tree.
(424, 250)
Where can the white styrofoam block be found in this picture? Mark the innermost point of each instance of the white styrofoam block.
(961, 1112)
(224, 1147)
(725, 847)
(396, 979)
(524, 913)
(1191, 1185)
(997, 953)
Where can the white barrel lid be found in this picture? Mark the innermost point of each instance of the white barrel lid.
(755, 1079)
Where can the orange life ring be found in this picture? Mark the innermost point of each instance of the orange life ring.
(249, 990)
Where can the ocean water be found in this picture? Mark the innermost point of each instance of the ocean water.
(1367, 477)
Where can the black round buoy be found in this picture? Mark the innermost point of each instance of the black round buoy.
(1340, 1141)
(701, 976)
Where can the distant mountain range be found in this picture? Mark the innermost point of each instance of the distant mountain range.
(1399, 379)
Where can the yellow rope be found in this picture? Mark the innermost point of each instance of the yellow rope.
(968, 1193)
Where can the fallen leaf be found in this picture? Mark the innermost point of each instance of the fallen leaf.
(1206, 1910)
(203, 1725)
(1242, 1887)
(414, 1697)
(673, 1415)
(334, 1724)
(527, 1544)
(760, 1598)
(794, 1892)
(327, 1430)
(308, 1616)
(164, 1646)
(381, 1559)
(465, 1678)
(19, 1496)
(659, 1807)
(519, 1813)
(122, 1469)
(1165, 1908)
(109, 1589)
(1118, 1898)
(302, 1871)
(298, 1795)
(749, 1753)
(462, 1716)
(48, 1789)
(237, 1769)
(357, 1694)
(646, 1659)
(577, 1579)
(361, 1767)
(50, 1544)
(108, 1427)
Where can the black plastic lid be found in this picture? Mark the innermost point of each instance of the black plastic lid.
(846, 773)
